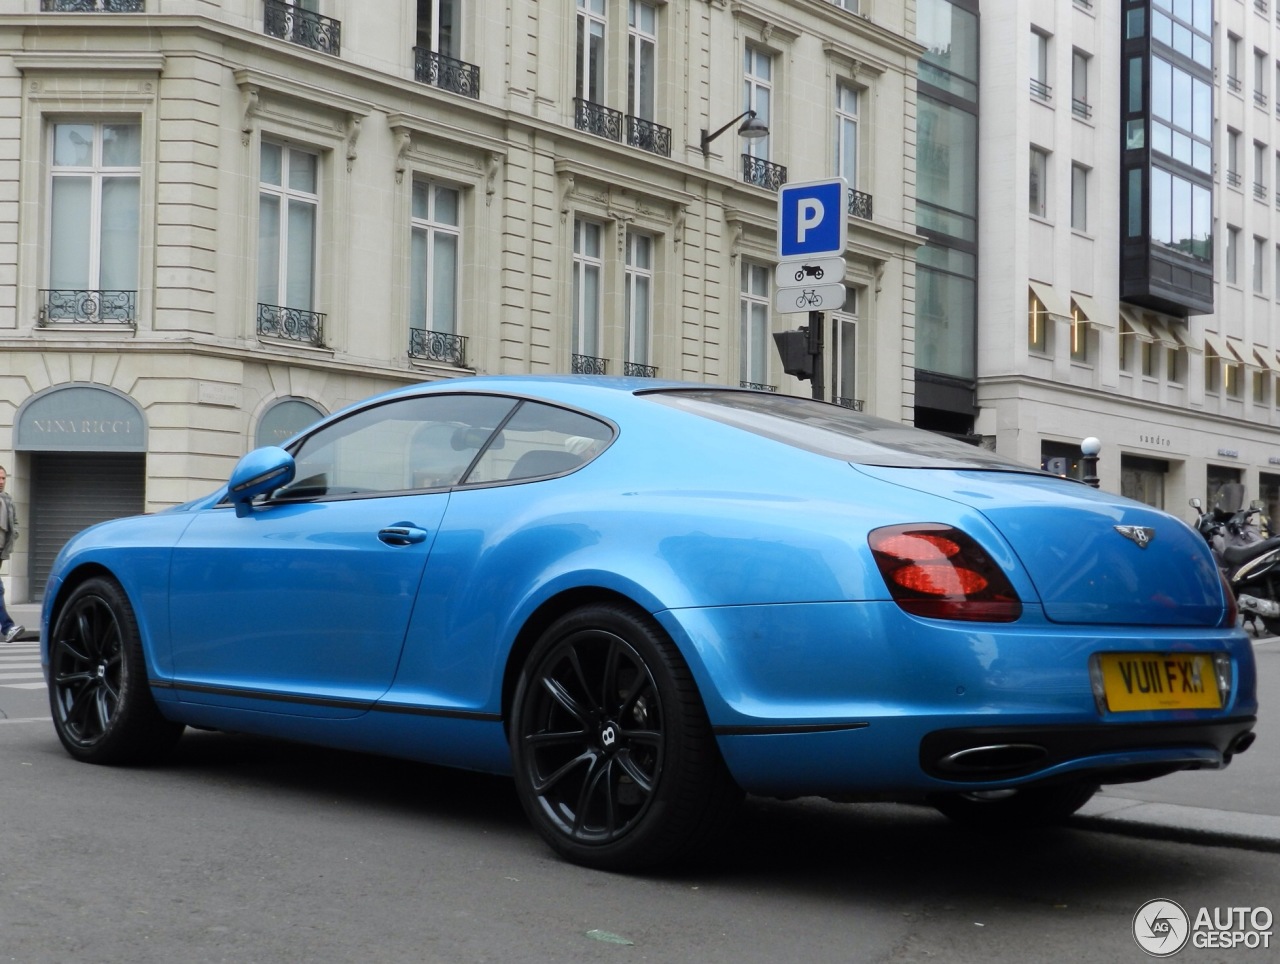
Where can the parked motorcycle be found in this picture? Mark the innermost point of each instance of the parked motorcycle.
(1247, 557)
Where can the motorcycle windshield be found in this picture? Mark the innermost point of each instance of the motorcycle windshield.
(1093, 557)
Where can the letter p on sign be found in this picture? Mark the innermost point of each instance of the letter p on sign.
(812, 219)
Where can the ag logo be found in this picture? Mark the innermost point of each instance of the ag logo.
(1161, 927)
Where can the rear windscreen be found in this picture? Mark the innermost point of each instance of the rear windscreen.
(833, 431)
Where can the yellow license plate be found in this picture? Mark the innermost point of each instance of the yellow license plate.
(1159, 681)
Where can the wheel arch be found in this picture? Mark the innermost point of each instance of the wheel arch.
(547, 613)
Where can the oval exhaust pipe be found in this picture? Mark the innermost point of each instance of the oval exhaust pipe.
(994, 758)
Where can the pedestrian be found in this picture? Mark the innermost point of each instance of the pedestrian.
(9, 630)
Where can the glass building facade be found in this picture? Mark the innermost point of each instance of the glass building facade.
(947, 215)
(1166, 183)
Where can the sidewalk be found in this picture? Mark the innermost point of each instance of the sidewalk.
(28, 616)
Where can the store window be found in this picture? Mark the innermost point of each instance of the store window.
(1143, 479)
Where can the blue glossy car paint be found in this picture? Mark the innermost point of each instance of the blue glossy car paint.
(297, 621)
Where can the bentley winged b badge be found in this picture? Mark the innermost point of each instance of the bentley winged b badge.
(1142, 535)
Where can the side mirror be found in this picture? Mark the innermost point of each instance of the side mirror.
(1195, 503)
(259, 472)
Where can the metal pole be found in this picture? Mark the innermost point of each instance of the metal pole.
(815, 349)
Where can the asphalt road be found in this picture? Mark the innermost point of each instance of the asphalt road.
(249, 850)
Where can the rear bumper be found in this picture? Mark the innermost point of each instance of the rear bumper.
(982, 754)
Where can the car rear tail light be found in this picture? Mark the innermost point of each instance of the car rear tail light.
(937, 571)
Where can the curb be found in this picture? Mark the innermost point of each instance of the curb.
(1168, 821)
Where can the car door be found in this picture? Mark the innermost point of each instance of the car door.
(304, 601)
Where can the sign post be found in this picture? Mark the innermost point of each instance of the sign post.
(813, 232)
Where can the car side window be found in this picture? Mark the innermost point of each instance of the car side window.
(412, 443)
(541, 440)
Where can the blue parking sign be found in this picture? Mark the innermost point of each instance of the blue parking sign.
(812, 218)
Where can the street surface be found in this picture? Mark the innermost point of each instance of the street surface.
(248, 850)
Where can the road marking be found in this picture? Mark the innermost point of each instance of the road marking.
(30, 719)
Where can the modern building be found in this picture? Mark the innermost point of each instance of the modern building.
(1129, 230)
(220, 219)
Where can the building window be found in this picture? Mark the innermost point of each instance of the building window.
(1040, 88)
(754, 335)
(435, 220)
(757, 95)
(1175, 365)
(1182, 115)
(590, 51)
(1212, 371)
(1233, 62)
(94, 220)
(844, 353)
(1079, 334)
(847, 133)
(1079, 197)
(1080, 85)
(1127, 338)
(288, 206)
(1233, 379)
(1233, 158)
(588, 294)
(1142, 479)
(638, 309)
(1261, 62)
(440, 27)
(642, 56)
(1275, 273)
(1260, 171)
(1147, 350)
(1259, 272)
(1038, 196)
(1262, 387)
(1232, 255)
(1037, 324)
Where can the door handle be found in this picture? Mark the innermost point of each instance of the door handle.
(402, 535)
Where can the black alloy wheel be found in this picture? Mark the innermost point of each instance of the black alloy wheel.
(103, 709)
(614, 758)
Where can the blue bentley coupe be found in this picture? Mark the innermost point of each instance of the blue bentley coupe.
(643, 599)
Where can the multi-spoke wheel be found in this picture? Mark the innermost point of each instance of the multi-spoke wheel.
(1022, 807)
(102, 707)
(614, 758)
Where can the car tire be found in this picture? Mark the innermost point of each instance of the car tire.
(1017, 808)
(613, 755)
(102, 705)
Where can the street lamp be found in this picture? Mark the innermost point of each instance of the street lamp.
(1090, 448)
(751, 127)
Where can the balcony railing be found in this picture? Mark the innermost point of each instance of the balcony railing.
(597, 119)
(1233, 83)
(589, 365)
(434, 68)
(302, 27)
(1259, 191)
(855, 404)
(648, 136)
(437, 346)
(1260, 98)
(638, 370)
(1081, 108)
(859, 204)
(762, 173)
(1040, 90)
(291, 324)
(82, 306)
(759, 386)
(92, 6)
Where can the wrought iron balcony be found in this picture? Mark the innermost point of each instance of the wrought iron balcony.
(648, 136)
(81, 306)
(855, 404)
(302, 27)
(639, 370)
(589, 365)
(860, 204)
(759, 386)
(1081, 108)
(597, 119)
(92, 6)
(291, 324)
(1259, 191)
(762, 173)
(434, 68)
(437, 346)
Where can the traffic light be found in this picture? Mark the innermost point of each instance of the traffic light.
(793, 347)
